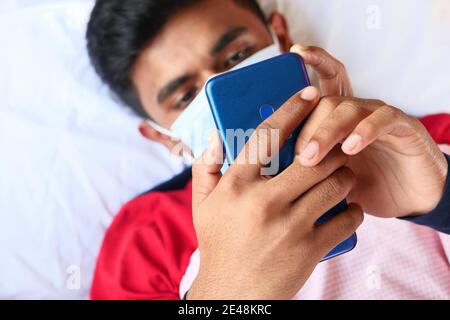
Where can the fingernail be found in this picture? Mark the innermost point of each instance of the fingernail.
(311, 151)
(301, 146)
(298, 48)
(211, 147)
(212, 138)
(351, 143)
(309, 94)
(213, 152)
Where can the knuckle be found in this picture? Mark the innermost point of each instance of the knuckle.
(392, 112)
(229, 184)
(316, 171)
(347, 175)
(332, 189)
(341, 67)
(359, 216)
(376, 102)
(334, 160)
(416, 124)
(322, 52)
(315, 49)
(267, 203)
(369, 128)
(327, 100)
(336, 185)
(261, 200)
(323, 135)
(330, 103)
(398, 113)
(353, 219)
(349, 104)
(267, 131)
(348, 225)
(266, 126)
(292, 107)
(341, 182)
(260, 207)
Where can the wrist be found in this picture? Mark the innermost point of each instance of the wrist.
(228, 286)
(210, 286)
(438, 218)
(205, 288)
(430, 204)
(444, 166)
(200, 290)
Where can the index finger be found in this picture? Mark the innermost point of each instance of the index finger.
(260, 148)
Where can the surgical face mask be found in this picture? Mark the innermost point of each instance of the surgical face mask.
(195, 125)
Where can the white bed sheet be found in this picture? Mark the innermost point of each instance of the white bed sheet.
(70, 156)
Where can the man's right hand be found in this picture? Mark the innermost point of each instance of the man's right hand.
(257, 236)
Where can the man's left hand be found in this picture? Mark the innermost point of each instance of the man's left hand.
(399, 168)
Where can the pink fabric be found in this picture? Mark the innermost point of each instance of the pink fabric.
(394, 259)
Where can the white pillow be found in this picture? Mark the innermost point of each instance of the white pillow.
(396, 51)
(70, 156)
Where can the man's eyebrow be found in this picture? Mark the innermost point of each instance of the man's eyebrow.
(226, 39)
(171, 87)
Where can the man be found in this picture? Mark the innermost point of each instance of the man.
(156, 55)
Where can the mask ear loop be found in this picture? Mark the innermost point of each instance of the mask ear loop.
(188, 158)
(276, 41)
(160, 129)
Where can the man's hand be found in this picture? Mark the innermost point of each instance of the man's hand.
(399, 169)
(257, 236)
(331, 73)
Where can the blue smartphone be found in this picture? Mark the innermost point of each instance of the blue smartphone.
(241, 100)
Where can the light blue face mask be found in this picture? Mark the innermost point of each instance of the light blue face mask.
(195, 125)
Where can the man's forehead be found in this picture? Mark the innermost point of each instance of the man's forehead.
(167, 60)
(191, 33)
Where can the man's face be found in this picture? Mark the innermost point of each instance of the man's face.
(198, 42)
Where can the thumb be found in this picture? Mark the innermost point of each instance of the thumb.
(206, 170)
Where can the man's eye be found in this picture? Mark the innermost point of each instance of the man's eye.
(236, 58)
(186, 99)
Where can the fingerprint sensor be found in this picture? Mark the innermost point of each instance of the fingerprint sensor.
(266, 111)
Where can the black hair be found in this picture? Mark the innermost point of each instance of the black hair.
(119, 30)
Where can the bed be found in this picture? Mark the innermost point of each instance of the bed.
(70, 154)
